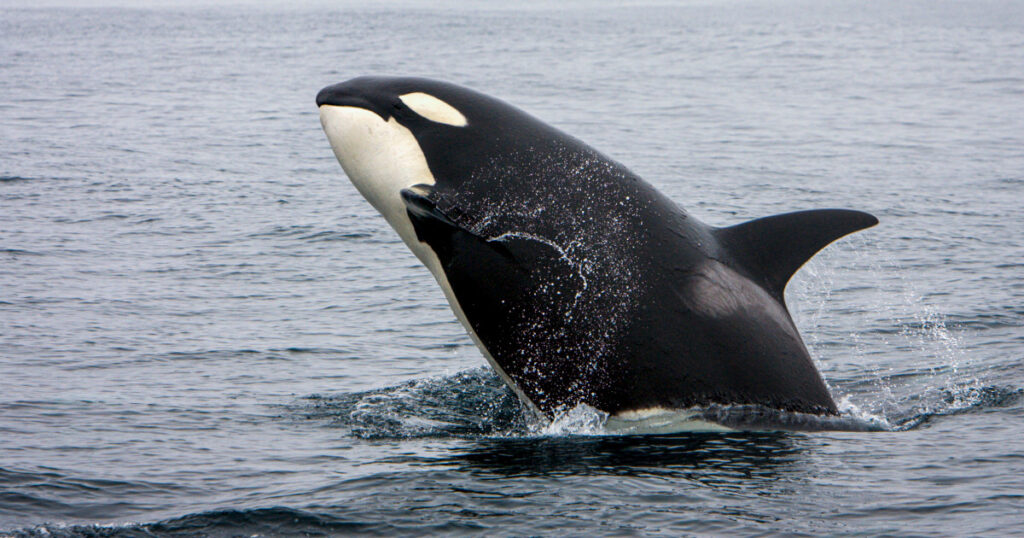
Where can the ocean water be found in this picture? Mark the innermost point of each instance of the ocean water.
(205, 330)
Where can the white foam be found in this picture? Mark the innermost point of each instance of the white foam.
(584, 420)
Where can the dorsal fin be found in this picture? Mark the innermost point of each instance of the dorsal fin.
(772, 248)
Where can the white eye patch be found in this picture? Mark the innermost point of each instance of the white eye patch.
(433, 109)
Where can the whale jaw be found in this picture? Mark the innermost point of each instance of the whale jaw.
(381, 157)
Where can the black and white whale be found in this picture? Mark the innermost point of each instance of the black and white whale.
(579, 282)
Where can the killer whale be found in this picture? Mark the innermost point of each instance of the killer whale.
(578, 280)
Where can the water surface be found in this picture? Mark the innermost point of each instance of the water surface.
(204, 329)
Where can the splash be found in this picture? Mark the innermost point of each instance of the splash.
(903, 366)
(475, 403)
(470, 403)
(579, 420)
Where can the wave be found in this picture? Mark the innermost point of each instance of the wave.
(311, 234)
(475, 403)
(254, 522)
(950, 401)
(13, 178)
(470, 403)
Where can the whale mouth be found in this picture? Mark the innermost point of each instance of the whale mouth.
(344, 95)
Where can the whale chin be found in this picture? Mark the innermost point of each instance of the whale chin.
(380, 157)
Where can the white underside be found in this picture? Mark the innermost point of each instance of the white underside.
(381, 158)
(659, 420)
(586, 420)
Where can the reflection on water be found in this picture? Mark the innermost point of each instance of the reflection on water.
(711, 458)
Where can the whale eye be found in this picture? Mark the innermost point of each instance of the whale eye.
(433, 109)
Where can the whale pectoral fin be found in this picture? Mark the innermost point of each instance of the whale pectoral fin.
(433, 226)
(507, 254)
(773, 248)
(420, 204)
(437, 227)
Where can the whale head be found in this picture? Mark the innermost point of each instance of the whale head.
(381, 129)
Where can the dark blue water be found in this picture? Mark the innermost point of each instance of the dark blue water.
(204, 329)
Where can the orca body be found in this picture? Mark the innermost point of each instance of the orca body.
(578, 280)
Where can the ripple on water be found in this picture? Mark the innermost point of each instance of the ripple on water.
(476, 403)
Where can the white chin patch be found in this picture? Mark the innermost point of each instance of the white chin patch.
(433, 109)
(380, 158)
